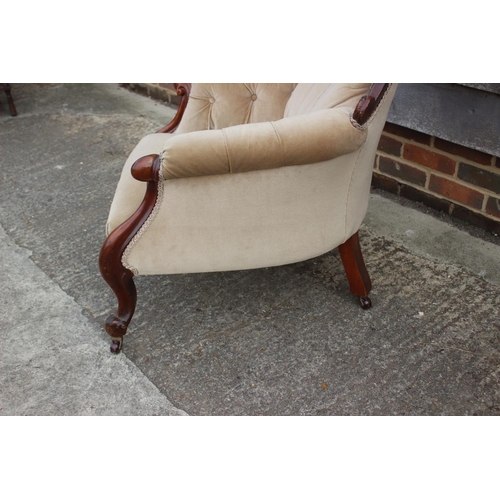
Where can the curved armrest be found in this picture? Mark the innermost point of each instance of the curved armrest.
(183, 90)
(297, 140)
(368, 104)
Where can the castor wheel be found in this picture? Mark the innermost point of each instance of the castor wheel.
(116, 346)
(365, 302)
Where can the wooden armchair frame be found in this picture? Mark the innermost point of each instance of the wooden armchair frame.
(147, 169)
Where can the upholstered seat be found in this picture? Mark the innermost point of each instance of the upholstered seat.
(247, 176)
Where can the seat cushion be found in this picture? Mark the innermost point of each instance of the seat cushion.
(219, 105)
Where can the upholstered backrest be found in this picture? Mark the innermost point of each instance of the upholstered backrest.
(219, 105)
(309, 97)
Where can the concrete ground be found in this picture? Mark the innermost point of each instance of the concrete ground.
(289, 340)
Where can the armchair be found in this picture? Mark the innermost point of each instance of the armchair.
(246, 176)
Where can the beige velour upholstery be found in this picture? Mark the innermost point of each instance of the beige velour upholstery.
(218, 105)
(247, 186)
(296, 140)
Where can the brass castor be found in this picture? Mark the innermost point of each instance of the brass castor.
(116, 345)
(365, 302)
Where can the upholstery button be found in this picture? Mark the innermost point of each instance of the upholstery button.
(211, 100)
(254, 97)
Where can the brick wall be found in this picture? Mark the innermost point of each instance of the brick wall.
(460, 181)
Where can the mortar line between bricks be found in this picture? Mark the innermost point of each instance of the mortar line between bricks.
(438, 195)
(425, 190)
(434, 149)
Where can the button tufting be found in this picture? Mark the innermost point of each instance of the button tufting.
(254, 97)
(211, 100)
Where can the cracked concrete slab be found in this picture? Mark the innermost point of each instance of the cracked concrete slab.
(53, 361)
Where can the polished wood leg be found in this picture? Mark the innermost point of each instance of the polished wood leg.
(117, 276)
(355, 269)
(121, 282)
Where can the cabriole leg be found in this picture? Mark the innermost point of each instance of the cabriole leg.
(121, 282)
(355, 269)
(116, 275)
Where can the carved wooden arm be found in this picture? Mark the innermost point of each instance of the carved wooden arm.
(116, 275)
(183, 90)
(111, 258)
(369, 103)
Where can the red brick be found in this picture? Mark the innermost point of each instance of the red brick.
(429, 159)
(479, 177)
(380, 181)
(389, 145)
(458, 192)
(493, 206)
(407, 133)
(476, 219)
(402, 171)
(463, 151)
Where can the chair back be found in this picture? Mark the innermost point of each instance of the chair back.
(310, 97)
(214, 106)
